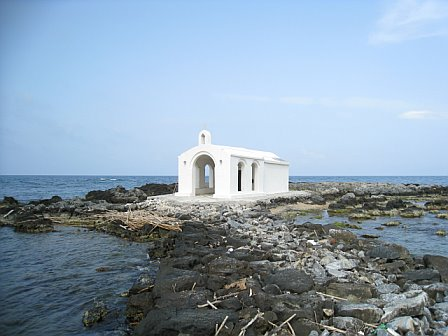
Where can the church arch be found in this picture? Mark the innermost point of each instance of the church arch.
(203, 174)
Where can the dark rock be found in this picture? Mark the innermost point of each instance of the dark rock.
(363, 311)
(293, 280)
(272, 289)
(184, 299)
(422, 274)
(389, 252)
(117, 195)
(8, 204)
(94, 314)
(439, 263)
(396, 204)
(171, 321)
(303, 327)
(7, 200)
(47, 202)
(138, 306)
(353, 292)
(348, 199)
(144, 282)
(171, 279)
(152, 189)
(34, 224)
(226, 266)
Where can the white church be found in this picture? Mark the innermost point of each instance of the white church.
(229, 172)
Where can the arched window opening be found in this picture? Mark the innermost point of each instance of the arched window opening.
(254, 177)
(203, 139)
(240, 176)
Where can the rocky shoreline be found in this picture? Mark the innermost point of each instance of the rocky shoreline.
(246, 267)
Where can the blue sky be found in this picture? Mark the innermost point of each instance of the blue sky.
(123, 87)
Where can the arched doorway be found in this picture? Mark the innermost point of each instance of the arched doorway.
(204, 175)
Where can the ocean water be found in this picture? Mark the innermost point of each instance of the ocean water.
(32, 187)
(48, 280)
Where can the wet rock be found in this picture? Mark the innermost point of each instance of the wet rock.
(8, 204)
(363, 311)
(439, 263)
(293, 280)
(144, 282)
(172, 321)
(33, 224)
(94, 314)
(138, 306)
(396, 204)
(413, 304)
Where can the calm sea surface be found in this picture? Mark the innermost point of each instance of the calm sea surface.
(48, 280)
(28, 187)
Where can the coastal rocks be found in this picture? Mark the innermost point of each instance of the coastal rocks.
(8, 204)
(363, 311)
(413, 303)
(389, 252)
(172, 321)
(33, 224)
(117, 195)
(292, 280)
(152, 189)
(439, 263)
(354, 292)
(95, 314)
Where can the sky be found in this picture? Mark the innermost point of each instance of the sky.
(96, 87)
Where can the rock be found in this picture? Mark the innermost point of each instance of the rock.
(440, 311)
(348, 323)
(402, 324)
(348, 199)
(8, 204)
(383, 288)
(363, 311)
(352, 292)
(94, 314)
(47, 202)
(293, 280)
(117, 195)
(389, 252)
(396, 204)
(144, 282)
(172, 321)
(392, 223)
(171, 279)
(226, 266)
(414, 304)
(33, 224)
(439, 263)
(422, 274)
(138, 306)
(152, 189)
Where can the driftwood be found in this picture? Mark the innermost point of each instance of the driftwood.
(135, 220)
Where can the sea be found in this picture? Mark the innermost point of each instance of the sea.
(49, 280)
(26, 188)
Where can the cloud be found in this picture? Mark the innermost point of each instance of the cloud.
(410, 20)
(421, 115)
(350, 102)
(297, 100)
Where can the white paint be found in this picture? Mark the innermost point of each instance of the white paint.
(233, 171)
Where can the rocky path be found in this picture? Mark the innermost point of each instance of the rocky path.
(246, 267)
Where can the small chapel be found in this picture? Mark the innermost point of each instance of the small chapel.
(229, 172)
